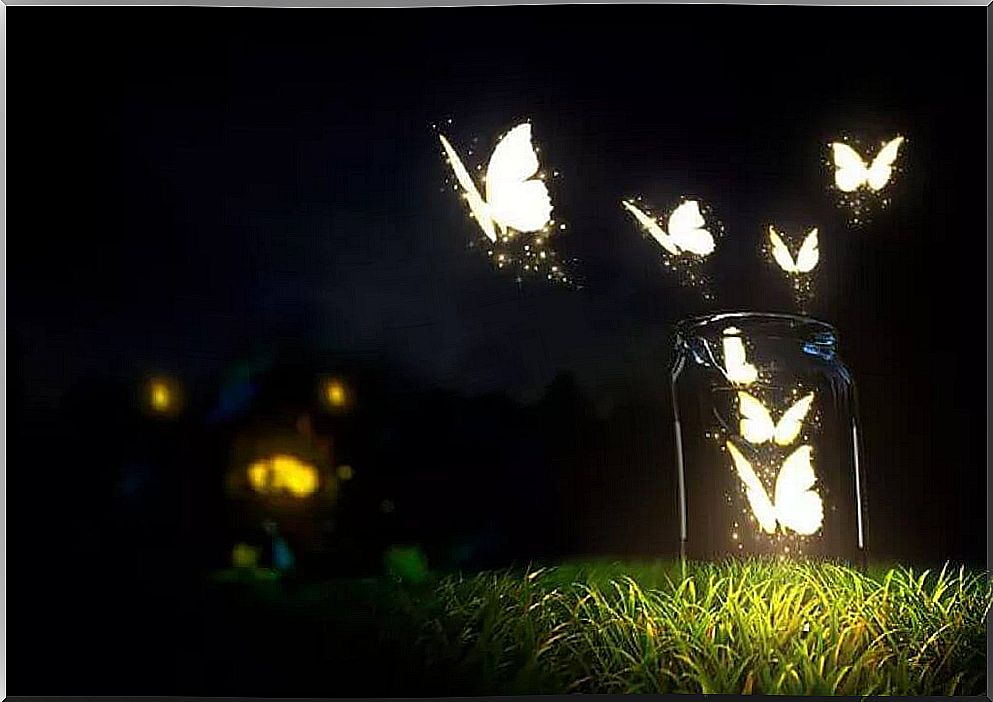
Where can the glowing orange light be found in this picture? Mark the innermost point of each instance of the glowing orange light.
(283, 473)
(335, 394)
(162, 396)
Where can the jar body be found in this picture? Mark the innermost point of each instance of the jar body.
(767, 440)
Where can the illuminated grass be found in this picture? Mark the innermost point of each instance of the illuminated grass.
(724, 628)
(598, 627)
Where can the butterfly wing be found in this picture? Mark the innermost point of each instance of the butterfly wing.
(798, 506)
(882, 166)
(736, 367)
(780, 253)
(756, 425)
(686, 227)
(758, 500)
(476, 204)
(517, 200)
(790, 424)
(513, 161)
(652, 227)
(809, 254)
(850, 170)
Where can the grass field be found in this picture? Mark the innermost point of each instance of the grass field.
(741, 627)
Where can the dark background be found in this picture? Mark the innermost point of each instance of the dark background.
(199, 192)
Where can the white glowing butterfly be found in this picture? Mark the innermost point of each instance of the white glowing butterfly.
(736, 367)
(795, 504)
(851, 172)
(806, 258)
(757, 426)
(685, 225)
(515, 199)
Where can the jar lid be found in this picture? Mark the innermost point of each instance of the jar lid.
(758, 324)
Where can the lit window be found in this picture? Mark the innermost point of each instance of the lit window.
(283, 473)
(335, 394)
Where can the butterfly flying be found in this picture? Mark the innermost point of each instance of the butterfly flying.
(516, 202)
(515, 199)
(758, 427)
(806, 258)
(795, 504)
(686, 229)
(852, 172)
(737, 369)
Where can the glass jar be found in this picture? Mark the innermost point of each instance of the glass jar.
(767, 442)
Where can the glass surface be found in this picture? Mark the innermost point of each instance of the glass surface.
(767, 440)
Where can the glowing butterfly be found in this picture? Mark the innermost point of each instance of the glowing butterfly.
(685, 225)
(797, 506)
(756, 422)
(852, 173)
(736, 368)
(514, 198)
(806, 258)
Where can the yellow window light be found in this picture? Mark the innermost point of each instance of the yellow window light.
(336, 394)
(244, 556)
(283, 473)
(162, 396)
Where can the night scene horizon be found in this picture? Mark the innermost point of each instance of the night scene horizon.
(383, 352)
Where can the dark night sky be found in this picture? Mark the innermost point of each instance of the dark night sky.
(188, 183)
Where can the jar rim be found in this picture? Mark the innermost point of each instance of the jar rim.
(767, 323)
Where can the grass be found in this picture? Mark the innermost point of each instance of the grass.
(737, 627)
